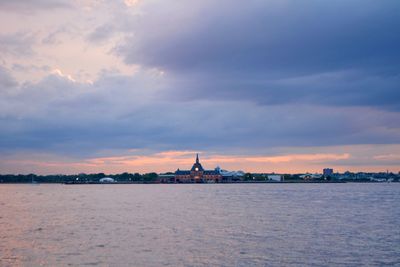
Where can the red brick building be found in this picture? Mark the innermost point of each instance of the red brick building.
(197, 174)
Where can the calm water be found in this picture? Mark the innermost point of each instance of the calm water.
(200, 225)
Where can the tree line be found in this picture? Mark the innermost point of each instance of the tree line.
(78, 178)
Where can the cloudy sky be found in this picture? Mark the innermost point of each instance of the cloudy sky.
(142, 85)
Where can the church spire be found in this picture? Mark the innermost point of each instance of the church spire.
(197, 166)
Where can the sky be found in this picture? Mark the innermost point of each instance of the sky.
(281, 86)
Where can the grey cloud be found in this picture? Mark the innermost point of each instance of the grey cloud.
(246, 77)
(6, 80)
(28, 6)
(31, 67)
(342, 88)
(253, 49)
(101, 33)
(269, 35)
(119, 112)
(54, 36)
(17, 44)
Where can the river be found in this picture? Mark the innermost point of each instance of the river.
(348, 224)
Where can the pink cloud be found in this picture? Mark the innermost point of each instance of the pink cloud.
(353, 158)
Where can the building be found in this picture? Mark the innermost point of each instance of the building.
(166, 178)
(107, 180)
(309, 176)
(327, 172)
(197, 174)
(230, 176)
(275, 177)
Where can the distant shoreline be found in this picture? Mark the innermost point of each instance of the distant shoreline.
(241, 182)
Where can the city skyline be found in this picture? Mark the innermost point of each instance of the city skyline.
(142, 85)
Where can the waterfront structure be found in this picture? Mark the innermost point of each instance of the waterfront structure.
(197, 174)
(275, 177)
(166, 178)
(309, 176)
(107, 180)
(230, 176)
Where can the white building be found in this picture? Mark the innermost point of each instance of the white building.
(107, 180)
(230, 175)
(309, 176)
(275, 177)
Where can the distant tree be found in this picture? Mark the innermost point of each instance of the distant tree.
(125, 177)
(248, 176)
(137, 177)
(100, 175)
(31, 177)
(296, 177)
(150, 177)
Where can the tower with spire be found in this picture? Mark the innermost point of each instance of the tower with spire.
(197, 166)
(197, 174)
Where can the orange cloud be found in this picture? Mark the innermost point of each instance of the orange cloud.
(183, 159)
(387, 157)
(135, 161)
(300, 157)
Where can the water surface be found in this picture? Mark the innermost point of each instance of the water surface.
(200, 225)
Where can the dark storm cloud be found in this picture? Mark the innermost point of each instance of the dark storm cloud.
(341, 52)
